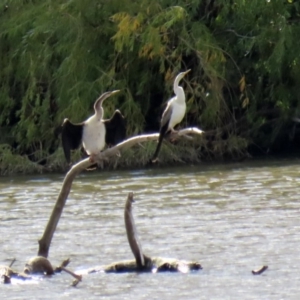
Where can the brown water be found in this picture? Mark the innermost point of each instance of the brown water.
(232, 218)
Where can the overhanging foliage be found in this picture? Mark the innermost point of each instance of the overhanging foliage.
(57, 56)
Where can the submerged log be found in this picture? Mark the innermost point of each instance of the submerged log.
(5, 279)
(45, 241)
(154, 265)
(6, 273)
(39, 265)
(142, 262)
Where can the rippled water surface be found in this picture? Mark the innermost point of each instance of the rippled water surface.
(231, 218)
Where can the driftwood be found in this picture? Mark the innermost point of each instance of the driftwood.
(38, 265)
(142, 262)
(141, 259)
(78, 278)
(6, 273)
(41, 265)
(35, 265)
(45, 241)
(259, 271)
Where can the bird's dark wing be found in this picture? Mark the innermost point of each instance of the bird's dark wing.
(166, 115)
(162, 133)
(71, 136)
(115, 129)
(164, 125)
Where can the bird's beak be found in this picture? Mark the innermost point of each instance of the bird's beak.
(189, 70)
(114, 92)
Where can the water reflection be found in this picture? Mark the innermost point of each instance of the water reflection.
(231, 218)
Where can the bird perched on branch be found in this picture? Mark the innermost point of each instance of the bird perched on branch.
(94, 132)
(173, 114)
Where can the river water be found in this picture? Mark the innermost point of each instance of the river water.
(232, 218)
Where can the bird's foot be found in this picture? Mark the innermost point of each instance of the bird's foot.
(93, 161)
(173, 135)
(92, 158)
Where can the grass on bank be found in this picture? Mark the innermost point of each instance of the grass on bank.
(180, 152)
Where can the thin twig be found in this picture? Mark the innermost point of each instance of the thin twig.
(12, 262)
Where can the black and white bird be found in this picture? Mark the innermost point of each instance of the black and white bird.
(95, 132)
(173, 114)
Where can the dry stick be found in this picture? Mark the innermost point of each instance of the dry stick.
(78, 278)
(259, 271)
(12, 262)
(45, 241)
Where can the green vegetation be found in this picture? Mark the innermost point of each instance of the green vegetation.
(57, 56)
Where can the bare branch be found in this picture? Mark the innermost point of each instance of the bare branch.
(78, 277)
(259, 271)
(144, 138)
(45, 241)
(12, 262)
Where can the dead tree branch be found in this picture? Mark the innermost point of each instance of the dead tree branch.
(45, 241)
(142, 262)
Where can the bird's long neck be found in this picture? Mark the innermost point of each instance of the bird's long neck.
(178, 90)
(99, 113)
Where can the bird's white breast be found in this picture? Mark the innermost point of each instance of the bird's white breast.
(178, 112)
(93, 138)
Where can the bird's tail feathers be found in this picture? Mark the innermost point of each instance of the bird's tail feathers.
(162, 134)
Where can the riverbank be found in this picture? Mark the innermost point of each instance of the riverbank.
(182, 153)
